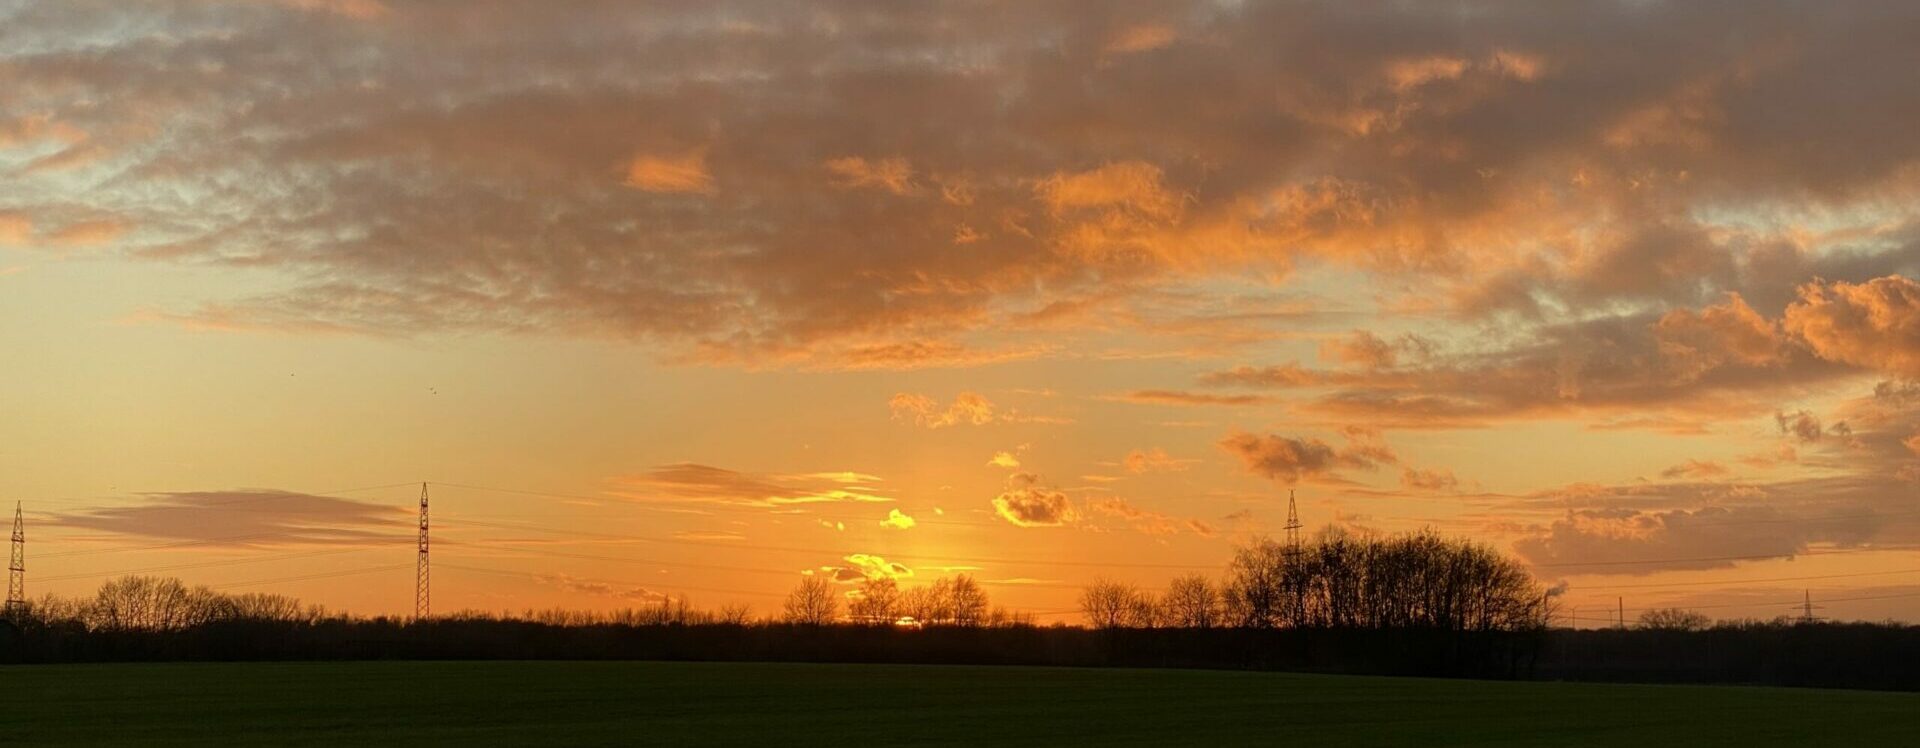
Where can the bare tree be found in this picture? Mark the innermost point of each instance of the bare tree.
(1191, 602)
(926, 604)
(734, 614)
(878, 603)
(1343, 580)
(1106, 604)
(1143, 612)
(1675, 619)
(1256, 585)
(155, 604)
(812, 602)
(967, 601)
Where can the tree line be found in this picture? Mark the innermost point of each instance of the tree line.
(1339, 580)
(881, 601)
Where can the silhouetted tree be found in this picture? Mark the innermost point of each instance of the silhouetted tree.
(878, 602)
(926, 604)
(967, 601)
(1256, 585)
(1674, 619)
(1106, 604)
(812, 602)
(1191, 602)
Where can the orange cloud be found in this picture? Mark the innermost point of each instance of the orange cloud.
(1176, 397)
(15, 228)
(897, 520)
(691, 482)
(1141, 38)
(1152, 460)
(1026, 505)
(1434, 479)
(894, 175)
(686, 173)
(1875, 325)
(88, 233)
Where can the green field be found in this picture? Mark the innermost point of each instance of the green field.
(573, 703)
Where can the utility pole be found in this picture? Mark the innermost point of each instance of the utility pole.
(1621, 619)
(421, 605)
(17, 568)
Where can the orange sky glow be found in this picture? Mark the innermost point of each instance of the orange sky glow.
(691, 299)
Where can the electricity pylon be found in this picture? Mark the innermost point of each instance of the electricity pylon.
(422, 606)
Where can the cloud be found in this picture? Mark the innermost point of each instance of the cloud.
(864, 566)
(694, 483)
(893, 175)
(1152, 460)
(1177, 397)
(684, 173)
(1294, 459)
(1282, 458)
(1147, 521)
(1696, 470)
(571, 583)
(1684, 366)
(1860, 499)
(1004, 460)
(1129, 188)
(898, 520)
(360, 10)
(1436, 480)
(967, 409)
(247, 518)
(1368, 351)
(1874, 325)
(1026, 505)
(1801, 425)
(423, 169)
(1141, 38)
(88, 233)
(15, 229)
(1631, 542)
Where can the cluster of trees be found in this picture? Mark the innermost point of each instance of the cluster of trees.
(1340, 580)
(137, 603)
(880, 601)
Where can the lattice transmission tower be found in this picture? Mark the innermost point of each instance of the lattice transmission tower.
(17, 567)
(1807, 608)
(1293, 526)
(422, 605)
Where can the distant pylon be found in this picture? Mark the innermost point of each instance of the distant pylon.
(17, 567)
(1293, 525)
(1807, 607)
(422, 606)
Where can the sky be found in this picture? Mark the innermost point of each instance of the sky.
(692, 299)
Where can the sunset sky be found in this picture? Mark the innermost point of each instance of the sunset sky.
(688, 298)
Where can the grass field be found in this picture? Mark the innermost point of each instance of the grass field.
(573, 703)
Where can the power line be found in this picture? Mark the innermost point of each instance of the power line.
(1709, 559)
(1771, 604)
(643, 585)
(700, 508)
(821, 551)
(207, 564)
(1731, 582)
(305, 577)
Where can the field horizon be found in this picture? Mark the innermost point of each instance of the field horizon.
(576, 703)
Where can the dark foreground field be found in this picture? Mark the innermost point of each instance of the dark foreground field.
(572, 703)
